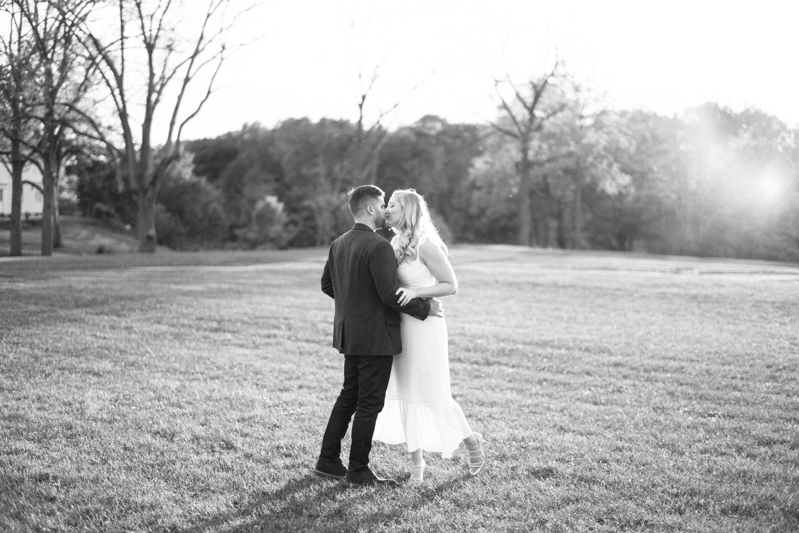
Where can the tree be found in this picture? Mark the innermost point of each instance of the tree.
(434, 157)
(62, 82)
(314, 158)
(190, 210)
(16, 88)
(362, 145)
(632, 163)
(491, 209)
(145, 36)
(211, 156)
(41, 87)
(348, 156)
(360, 163)
(573, 147)
(268, 226)
(254, 173)
(524, 113)
(98, 193)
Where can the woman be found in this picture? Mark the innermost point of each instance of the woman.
(419, 408)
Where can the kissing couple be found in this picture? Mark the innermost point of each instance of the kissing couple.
(390, 328)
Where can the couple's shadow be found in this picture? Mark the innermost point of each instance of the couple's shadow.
(308, 502)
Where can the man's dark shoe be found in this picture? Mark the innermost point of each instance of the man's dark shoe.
(367, 478)
(330, 470)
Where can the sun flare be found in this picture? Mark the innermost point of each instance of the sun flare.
(771, 187)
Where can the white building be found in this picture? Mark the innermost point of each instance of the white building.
(32, 199)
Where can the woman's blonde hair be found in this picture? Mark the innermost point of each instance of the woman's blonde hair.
(415, 225)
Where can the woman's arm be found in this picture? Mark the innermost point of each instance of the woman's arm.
(383, 268)
(447, 284)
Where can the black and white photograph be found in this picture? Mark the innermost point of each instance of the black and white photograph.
(354, 266)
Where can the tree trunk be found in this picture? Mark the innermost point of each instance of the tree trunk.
(525, 218)
(579, 237)
(57, 242)
(562, 237)
(578, 209)
(48, 209)
(145, 222)
(17, 166)
(48, 162)
(623, 241)
(543, 213)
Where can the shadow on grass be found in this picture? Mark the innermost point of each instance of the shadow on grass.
(289, 499)
(310, 503)
(401, 501)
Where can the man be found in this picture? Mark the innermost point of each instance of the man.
(361, 276)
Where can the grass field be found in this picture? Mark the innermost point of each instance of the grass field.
(189, 392)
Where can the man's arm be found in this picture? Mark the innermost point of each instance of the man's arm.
(383, 267)
(327, 280)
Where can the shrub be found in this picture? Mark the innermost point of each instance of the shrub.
(196, 214)
(170, 230)
(268, 225)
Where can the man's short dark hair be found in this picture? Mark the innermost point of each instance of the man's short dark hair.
(362, 197)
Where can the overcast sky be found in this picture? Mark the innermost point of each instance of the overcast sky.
(441, 57)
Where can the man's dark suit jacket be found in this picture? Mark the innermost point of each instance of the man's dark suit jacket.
(361, 276)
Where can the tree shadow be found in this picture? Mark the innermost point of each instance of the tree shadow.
(304, 503)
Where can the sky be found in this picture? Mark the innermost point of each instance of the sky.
(442, 56)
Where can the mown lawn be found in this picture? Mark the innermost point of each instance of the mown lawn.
(189, 392)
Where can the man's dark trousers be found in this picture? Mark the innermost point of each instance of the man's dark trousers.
(363, 394)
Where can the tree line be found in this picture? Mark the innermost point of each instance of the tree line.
(84, 82)
(711, 183)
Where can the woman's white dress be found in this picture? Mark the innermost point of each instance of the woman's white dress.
(419, 408)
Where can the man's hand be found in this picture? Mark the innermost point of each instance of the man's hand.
(436, 309)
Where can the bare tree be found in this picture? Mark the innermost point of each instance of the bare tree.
(143, 63)
(360, 159)
(364, 151)
(16, 86)
(62, 81)
(523, 117)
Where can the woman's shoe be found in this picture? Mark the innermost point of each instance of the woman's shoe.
(477, 458)
(417, 473)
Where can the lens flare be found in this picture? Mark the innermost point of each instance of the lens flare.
(771, 187)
